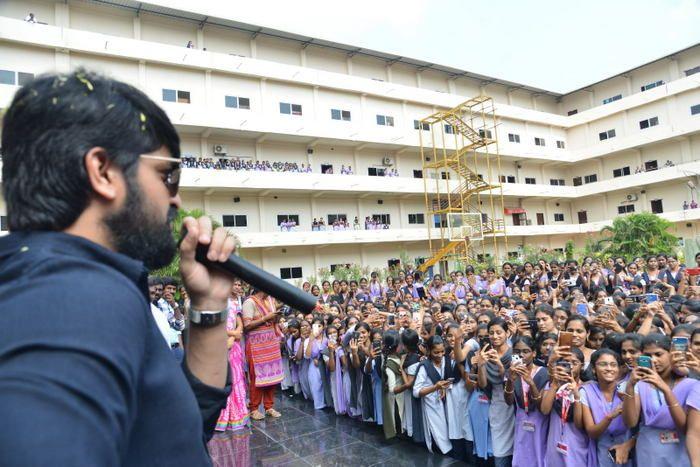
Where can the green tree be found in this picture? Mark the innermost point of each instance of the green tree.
(638, 234)
(173, 269)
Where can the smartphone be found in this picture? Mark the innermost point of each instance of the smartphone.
(532, 323)
(611, 454)
(391, 320)
(570, 282)
(511, 313)
(565, 339)
(644, 361)
(565, 365)
(609, 301)
(377, 346)
(636, 298)
(515, 360)
(525, 295)
(356, 335)
(680, 344)
(316, 329)
(582, 309)
(554, 283)
(651, 297)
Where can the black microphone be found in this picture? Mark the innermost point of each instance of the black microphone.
(258, 278)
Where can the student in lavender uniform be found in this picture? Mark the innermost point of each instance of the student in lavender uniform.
(658, 399)
(293, 343)
(601, 407)
(524, 389)
(413, 415)
(567, 442)
(493, 368)
(312, 352)
(335, 360)
(479, 402)
(457, 395)
(303, 361)
(431, 385)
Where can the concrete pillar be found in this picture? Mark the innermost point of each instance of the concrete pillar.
(599, 162)
(200, 39)
(208, 89)
(404, 116)
(206, 203)
(389, 75)
(253, 48)
(419, 80)
(628, 84)
(261, 95)
(547, 219)
(402, 220)
(451, 86)
(348, 64)
(686, 149)
(137, 28)
(302, 56)
(363, 108)
(317, 261)
(142, 74)
(533, 101)
(261, 210)
(356, 160)
(543, 179)
(258, 156)
(643, 199)
(62, 15)
(591, 98)
(673, 69)
(203, 146)
(606, 208)
(360, 217)
(509, 96)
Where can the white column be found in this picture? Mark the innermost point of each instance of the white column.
(673, 69)
(419, 80)
(606, 208)
(643, 199)
(533, 101)
(62, 15)
(203, 146)
(261, 97)
(207, 89)
(137, 28)
(451, 86)
(360, 217)
(258, 152)
(547, 219)
(686, 149)
(315, 101)
(600, 168)
(206, 203)
(142, 74)
(253, 48)
(402, 216)
(348, 64)
(543, 180)
(302, 56)
(200, 39)
(628, 84)
(363, 108)
(509, 96)
(355, 160)
(363, 255)
(591, 98)
(316, 260)
(261, 210)
(389, 75)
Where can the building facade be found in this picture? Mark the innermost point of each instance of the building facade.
(241, 93)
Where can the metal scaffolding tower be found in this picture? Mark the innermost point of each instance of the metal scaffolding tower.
(462, 182)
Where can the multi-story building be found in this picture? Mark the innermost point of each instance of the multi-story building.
(571, 162)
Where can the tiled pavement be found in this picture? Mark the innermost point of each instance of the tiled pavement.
(307, 437)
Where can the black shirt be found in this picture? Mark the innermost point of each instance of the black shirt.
(85, 375)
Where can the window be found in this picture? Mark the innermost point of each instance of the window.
(513, 255)
(560, 144)
(612, 99)
(445, 175)
(539, 141)
(169, 95)
(287, 218)
(235, 102)
(653, 121)
(590, 178)
(235, 221)
(3, 223)
(336, 217)
(651, 165)
(376, 171)
(416, 218)
(558, 217)
(394, 263)
(335, 267)
(183, 97)
(290, 109)
(572, 112)
(385, 120)
(417, 174)
(291, 273)
(7, 77)
(578, 181)
(337, 114)
(557, 181)
(692, 71)
(485, 133)
(657, 206)
(24, 78)
(529, 181)
(382, 218)
(695, 109)
(626, 209)
(326, 168)
(646, 87)
(621, 172)
(449, 129)
(507, 178)
(417, 125)
(603, 135)
(513, 138)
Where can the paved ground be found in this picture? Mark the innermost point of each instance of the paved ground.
(304, 436)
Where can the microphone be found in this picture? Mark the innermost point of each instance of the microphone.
(258, 278)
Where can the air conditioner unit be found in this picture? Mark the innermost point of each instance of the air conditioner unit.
(220, 150)
(632, 197)
(387, 161)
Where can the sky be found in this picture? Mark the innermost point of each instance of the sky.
(557, 45)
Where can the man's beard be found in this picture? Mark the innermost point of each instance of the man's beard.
(137, 234)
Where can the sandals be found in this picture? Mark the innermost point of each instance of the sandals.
(256, 415)
(273, 413)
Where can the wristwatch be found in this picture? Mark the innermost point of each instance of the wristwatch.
(207, 319)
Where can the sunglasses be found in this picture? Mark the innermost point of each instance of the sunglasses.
(172, 178)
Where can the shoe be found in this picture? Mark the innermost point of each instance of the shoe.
(256, 415)
(273, 413)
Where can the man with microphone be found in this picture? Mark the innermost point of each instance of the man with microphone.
(90, 176)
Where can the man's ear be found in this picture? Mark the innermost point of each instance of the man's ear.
(105, 178)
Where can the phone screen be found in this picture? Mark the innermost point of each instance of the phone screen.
(582, 309)
(644, 361)
(565, 339)
(680, 344)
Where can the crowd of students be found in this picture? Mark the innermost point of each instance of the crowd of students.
(556, 364)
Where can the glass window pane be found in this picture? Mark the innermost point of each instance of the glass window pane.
(296, 109)
(7, 77)
(653, 121)
(242, 221)
(231, 101)
(169, 95)
(381, 120)
(244, 103)
(390, 121)
(285, 108)
(346, 115)
(183, 97)
(296, 273)
(285, 273)
(24, 78)
(335, 114)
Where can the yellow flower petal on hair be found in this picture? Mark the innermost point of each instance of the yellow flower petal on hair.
(142, 117)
